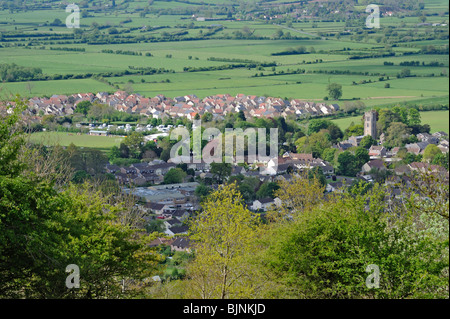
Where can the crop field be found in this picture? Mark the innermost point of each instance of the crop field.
(82, 140)
(438, 121)
(75, 61)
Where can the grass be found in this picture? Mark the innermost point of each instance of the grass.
(102, 143)
(312, 87)
(438, 120)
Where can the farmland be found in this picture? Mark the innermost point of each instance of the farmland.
(438, 121)
(168, 37)
(81, 140)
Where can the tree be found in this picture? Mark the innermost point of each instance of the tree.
(334, 91)
(43, 229)
(267, 190)
(221, 170)
(325, 252)
(413, 117)
(328, 155)
(354, 130)
(113, 153)
(174, 176)
(135, 143)
(441, 159)
(317, 173)
(298, 195)
(223, 233)
(207, 117)
(361, 156)
(202, 191)
(367, 141)
(83, 107)
(385, 118)
(396, 134)
(430, 152)
(347, 164)
(316, 143)
(156, 225)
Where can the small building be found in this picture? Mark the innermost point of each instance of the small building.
(373, 164)
(377, 150)
(265, 203)
(98, 133)
(181, 244)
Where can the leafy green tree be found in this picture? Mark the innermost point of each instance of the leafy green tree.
(221, 170)
(174, 176)
(367, 141)
(385, 118)
(317, 173)
(328, 155)
(441, 159)
(396, 134)
(202, 191)
(156, 225)
(83, 107)
(413, 117)
(135, 144)
(316, 143)
(325, 252)
(354, 130)
(113, 153)
(267, 190)
(315, 125)
(223, 233)
(430, 152)
(334, 91)
(43, 229)
(347, 164)
(361, 156)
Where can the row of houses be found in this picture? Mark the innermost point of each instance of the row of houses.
(188, 106)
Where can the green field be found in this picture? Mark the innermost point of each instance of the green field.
(65, 139)
(27, 36)
(438, 121)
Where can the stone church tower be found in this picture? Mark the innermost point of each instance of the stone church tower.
(370, 124)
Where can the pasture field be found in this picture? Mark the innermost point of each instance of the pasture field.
(172, 34)
(438, 120)
(84, 140)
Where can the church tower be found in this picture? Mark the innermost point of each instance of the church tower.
(370, 124)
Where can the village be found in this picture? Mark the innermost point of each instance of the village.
(188, 106)
(175, 203)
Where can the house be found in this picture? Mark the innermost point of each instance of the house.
(177, 230)
(265, 203)
(417, 148)
(98, 133)
(373, 164)
(355, 140)
(425, 137)
(335, 187)
(402, 170)
(342, 146)
(339, 186)
(440, 134)
(155, 208)
(425, 167)
(180, 214)
(160, 241)
(181, 244)
(112, 168)
(378, 151)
